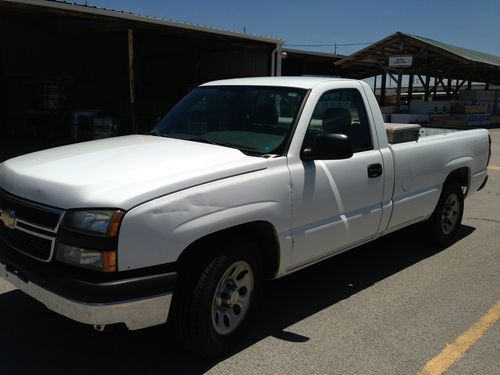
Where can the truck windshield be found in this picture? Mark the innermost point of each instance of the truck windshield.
(256, 120)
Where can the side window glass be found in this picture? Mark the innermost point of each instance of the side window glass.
(341, 112)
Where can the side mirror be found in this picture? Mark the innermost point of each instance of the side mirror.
(329, 147)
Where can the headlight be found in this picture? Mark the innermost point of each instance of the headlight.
(95, 222)
(88, 239)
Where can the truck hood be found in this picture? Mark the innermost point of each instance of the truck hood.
(120, 172)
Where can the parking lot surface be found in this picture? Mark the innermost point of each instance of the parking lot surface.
(389, 307)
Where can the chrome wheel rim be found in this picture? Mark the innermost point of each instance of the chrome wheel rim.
(449, 216)
(232, 298)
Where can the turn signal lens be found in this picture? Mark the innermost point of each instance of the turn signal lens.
(115, 223)
(109, 263)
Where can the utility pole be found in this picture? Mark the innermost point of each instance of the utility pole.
(131, 79)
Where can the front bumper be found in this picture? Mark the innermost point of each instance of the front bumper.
(136, 314)
(137, 300)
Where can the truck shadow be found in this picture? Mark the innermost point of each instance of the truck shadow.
(35, 340)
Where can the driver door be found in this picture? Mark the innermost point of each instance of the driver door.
(336, 203)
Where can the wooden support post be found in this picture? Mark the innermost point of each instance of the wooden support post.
(410, 88)
(382, 89)
(393, 78)
(197, 59)
(436, 83)
(387, 72)
(398, 93)
(427, 87)
(131, 77)
(441, 82)
(458, 86)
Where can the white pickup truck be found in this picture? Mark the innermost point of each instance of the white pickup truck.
(243, 180)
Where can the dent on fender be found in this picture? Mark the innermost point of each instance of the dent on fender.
(196, 205)
(231, 215)
(199, 210)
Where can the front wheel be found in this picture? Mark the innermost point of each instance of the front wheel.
(447, 216)
(216, 309)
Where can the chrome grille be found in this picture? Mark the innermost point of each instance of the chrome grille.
(28, 227)
(33, 213)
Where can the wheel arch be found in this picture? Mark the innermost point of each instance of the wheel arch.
(461, 176)
(261, 233)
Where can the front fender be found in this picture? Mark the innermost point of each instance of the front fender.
(158, 231)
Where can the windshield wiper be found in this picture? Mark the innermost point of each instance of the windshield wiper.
(210, 141)
(156, 134)
(194, 139)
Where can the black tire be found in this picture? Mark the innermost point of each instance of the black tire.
(194, 319)
(443, 231)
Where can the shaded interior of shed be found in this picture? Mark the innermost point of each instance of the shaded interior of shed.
(60, 70)
(299, 63)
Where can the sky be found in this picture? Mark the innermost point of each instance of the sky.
(473, 24)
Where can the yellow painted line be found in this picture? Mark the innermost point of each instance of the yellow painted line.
(494, 167)
(455, 351)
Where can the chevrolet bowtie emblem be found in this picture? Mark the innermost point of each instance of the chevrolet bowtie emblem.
(8, 217)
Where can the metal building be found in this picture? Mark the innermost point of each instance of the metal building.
(72, 72)
(436, 65)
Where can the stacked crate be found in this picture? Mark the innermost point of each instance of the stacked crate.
(481, 98)
(476, 107)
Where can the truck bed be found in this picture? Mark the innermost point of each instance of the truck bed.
(426, 132)
(421, 167)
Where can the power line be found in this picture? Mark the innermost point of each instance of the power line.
(334, 45)
(327, 45)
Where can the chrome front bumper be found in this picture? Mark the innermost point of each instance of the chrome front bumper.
(136, 314)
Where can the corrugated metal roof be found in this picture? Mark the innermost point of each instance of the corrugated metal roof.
(431, 58)
(313, 53)
(63, 5)
(465, 53)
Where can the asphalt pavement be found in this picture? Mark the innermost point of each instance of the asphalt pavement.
(388, 307)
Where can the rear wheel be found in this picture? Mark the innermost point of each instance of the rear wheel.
(447, 216)
(216, 306)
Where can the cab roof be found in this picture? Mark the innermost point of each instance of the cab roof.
(296, 82)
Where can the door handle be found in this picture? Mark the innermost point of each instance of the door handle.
(374, 170)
